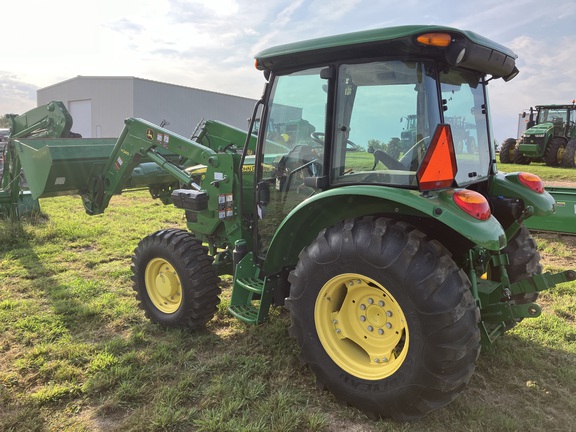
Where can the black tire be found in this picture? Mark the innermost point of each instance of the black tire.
(507, 151)
(524, 263)
(403, 340)
(520, 159)
(554, 152)
(175, 282)
(569, 158)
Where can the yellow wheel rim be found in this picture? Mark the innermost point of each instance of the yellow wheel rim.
(361, 326)
(163, 285)
(560, 155)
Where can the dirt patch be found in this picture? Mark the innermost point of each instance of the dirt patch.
(560, 251)
(560, 184)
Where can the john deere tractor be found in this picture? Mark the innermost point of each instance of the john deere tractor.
(394, 277)
(550, 136)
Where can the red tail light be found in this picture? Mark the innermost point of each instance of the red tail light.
(472, 203)
(531, 181)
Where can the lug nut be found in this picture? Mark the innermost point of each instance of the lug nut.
(388, 325)
(381, 303)
(370, 328)
(380, 331)
(363, 306)
(388, 313)
(370, 301)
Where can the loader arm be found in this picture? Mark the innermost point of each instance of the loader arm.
(46, 121)
(141, 140)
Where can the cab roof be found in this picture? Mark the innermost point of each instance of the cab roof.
(483, 55)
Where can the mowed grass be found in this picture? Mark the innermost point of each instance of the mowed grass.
(547, 173)
(78, 355)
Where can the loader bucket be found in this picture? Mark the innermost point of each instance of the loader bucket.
(56, 167)
(564, 220)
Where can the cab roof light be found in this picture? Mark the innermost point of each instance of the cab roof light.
(472, 203)
(531, 181)
(438, 168)
(435, 39)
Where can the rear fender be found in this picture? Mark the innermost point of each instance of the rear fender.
(325, 209)
(509, 185)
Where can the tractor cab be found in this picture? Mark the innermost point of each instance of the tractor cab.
(352, 98)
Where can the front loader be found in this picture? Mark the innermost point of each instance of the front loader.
(394, 276)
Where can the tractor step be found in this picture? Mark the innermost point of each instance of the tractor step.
(251, 284)
(251, 295)
(246, 313)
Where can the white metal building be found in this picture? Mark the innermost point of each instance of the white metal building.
(99, 105)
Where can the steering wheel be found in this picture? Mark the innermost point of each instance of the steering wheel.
(319, 138)
(410, 158)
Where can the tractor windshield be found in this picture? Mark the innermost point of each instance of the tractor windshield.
(552, 115)
(387, 112)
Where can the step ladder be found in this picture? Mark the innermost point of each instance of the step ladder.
(251, 295)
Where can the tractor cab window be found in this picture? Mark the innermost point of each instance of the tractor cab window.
(557, 116)
(464, 108)
(386, 113)
(293, 147)
(560, 117)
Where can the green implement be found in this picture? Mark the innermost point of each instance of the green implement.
(564, 219)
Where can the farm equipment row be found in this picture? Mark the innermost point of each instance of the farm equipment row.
(394, 274)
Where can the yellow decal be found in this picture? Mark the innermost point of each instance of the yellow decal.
(265, 168)
(149, 134)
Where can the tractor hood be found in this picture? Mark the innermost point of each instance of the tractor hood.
(539, 130)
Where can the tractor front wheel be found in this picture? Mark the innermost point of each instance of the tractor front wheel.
(174, 280)
(507, 151)
(555, 152)
(384, 318)
(520, 159)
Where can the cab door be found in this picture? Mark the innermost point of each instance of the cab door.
(293, 147)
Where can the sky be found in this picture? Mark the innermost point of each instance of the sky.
(210, 44)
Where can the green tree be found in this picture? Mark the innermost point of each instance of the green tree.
(377, 144)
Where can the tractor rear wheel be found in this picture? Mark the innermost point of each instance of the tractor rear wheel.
(569, 158)
(554, 152)
(507, 151)
(384, 318)
(174, 280)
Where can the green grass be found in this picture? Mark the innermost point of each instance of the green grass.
(78, 355)
(540, 169)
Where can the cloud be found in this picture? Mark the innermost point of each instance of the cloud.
(17, 96)
(546, 77)
(125, 25)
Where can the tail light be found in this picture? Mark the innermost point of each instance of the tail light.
(472, 203)
(531, 181)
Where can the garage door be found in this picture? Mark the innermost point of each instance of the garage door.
(81, 112)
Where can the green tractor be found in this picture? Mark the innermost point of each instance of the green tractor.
(394, 277)
(550, 137)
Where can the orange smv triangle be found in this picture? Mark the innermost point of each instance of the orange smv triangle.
(438, 169)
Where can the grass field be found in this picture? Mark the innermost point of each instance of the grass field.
(78, 355)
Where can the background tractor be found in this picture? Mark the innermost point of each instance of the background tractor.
(395, 276)
(549, 136)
